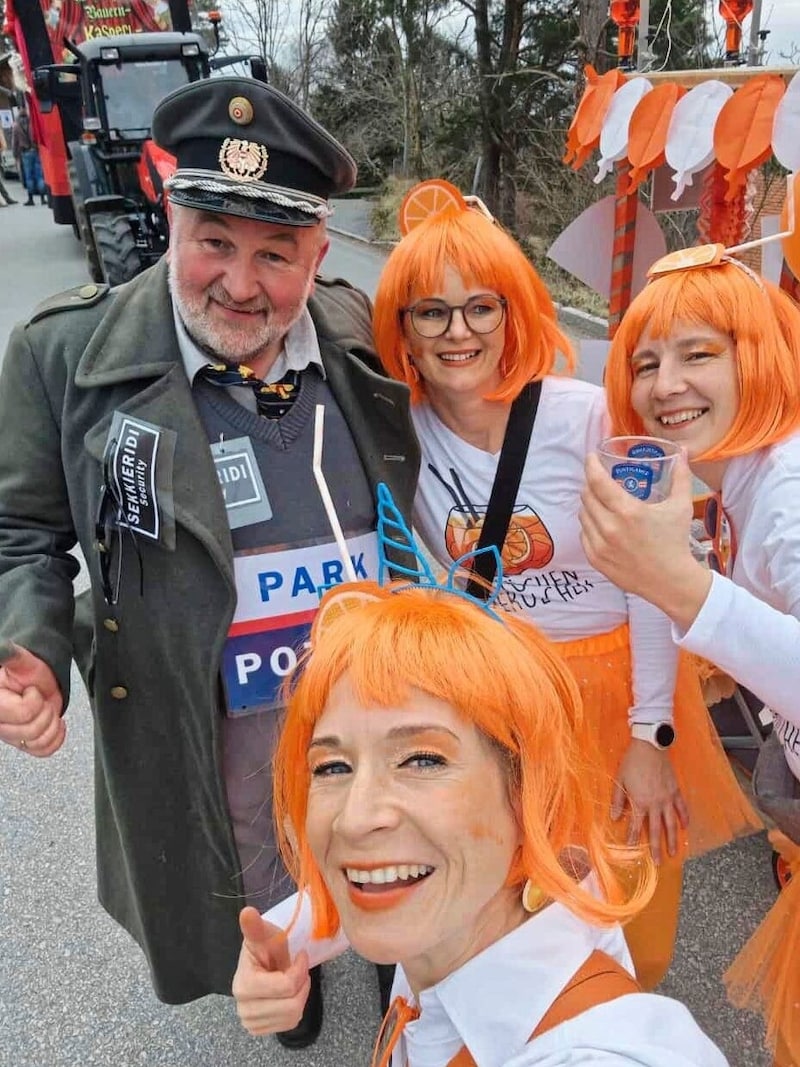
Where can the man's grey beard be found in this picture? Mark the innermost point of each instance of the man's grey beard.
(217, 340)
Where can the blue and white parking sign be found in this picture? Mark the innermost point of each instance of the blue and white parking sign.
(278, 597)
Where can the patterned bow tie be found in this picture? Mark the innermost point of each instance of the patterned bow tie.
(273, 399)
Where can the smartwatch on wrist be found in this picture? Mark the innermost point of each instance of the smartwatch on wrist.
(659, 734)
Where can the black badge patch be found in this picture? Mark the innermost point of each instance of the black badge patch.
(133, 469)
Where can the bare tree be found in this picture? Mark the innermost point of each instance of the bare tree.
(309, 47)
(592, 31)
(259, 26)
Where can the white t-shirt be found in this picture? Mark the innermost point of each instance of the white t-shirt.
(494, 1002)
(749, 624)
(546, 572)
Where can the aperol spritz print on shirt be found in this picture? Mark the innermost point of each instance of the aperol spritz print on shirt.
(528, 543)
(528, 546)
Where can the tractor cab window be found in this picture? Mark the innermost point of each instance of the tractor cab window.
(132, 90)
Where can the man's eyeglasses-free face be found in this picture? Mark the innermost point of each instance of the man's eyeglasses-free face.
(432, 318)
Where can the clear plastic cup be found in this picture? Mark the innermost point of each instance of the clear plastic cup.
(643, 466)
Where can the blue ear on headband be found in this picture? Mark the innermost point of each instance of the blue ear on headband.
(393, 533)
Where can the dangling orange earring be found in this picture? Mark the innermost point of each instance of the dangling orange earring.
(533, 898)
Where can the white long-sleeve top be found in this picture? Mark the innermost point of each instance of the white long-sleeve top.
(566, 597)
(494, 1002)
(749, 624)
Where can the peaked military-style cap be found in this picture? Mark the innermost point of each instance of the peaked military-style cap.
(244, 148)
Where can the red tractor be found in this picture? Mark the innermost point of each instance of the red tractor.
(92, 117)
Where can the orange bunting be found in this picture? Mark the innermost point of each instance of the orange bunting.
(647, 133)
(743, 131)
(583, 135)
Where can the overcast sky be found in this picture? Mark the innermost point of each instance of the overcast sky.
(780, 17)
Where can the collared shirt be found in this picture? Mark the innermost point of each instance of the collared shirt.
(300, 350)
(494, 1002)
(497, 999)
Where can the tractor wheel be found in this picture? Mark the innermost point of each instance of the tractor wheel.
(116, 247)
(781, 870)
(81, 227)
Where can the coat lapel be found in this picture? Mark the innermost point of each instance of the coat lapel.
(136, 345)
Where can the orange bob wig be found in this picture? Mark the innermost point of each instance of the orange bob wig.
(487, 257)
(764, 324)
(505, 678)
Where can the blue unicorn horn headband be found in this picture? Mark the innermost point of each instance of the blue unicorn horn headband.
(394, 535)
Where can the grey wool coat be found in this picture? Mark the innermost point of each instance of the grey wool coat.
(167, 865)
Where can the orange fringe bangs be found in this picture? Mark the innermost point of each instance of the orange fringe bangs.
(484, 255)
(765, 326)
(512, 684)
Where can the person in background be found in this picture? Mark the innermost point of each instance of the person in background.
(462, 317)
(430, 791)
(167, 426)
(5, 198)
(708, 356)
(26, 153)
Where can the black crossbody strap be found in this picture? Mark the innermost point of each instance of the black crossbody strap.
(505, 486)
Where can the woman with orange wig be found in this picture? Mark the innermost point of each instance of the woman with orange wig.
(709, 357)
(430, 791)
(462, 317)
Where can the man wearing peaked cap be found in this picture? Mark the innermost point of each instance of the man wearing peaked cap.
(180, 458)
(243, 148)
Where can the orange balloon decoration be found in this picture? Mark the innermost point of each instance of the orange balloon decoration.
(583, 135)
(791, 244)
(647, 133)
(743, 132)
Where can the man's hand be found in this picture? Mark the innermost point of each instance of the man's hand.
(644, 548)
(646, 781)
(270, 990)
(30, 704)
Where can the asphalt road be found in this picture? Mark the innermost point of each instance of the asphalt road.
(74, 990)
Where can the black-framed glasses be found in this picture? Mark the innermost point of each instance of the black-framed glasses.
(109, 525)
(432, 318)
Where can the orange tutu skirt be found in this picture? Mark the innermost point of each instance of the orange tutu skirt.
(765, 976)
(718, 809)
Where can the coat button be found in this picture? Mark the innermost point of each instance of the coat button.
(119, 692)
(87, 292)
(111, 624)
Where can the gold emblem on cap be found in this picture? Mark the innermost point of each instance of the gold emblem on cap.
(245, 161)
(241, 110)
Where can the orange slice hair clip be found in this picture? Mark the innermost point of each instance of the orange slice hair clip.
(688, 259)
(427, 199)
(343, 598)
(433, 197)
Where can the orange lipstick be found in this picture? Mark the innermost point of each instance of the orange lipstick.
(382, 899)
